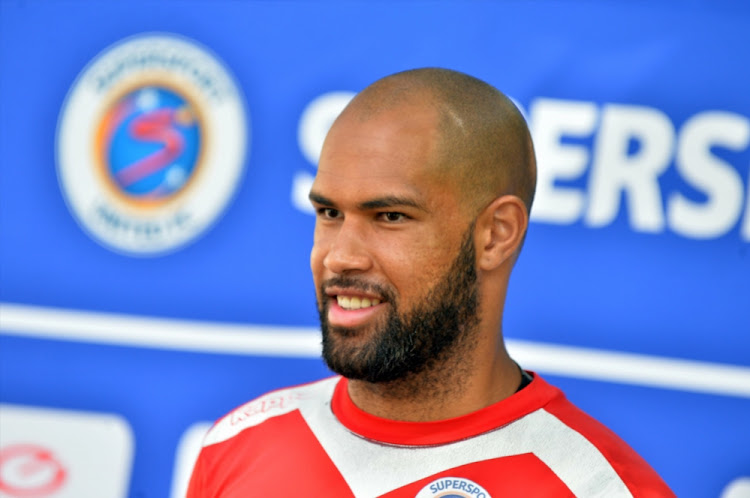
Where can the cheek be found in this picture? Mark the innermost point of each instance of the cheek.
(415, 271)
(316, 262)
(317, 244)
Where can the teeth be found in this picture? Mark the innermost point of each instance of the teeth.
(355, 303)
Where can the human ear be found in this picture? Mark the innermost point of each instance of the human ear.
(500, 230)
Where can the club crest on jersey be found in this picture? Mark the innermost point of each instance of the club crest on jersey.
(453, 487)
(151, 143)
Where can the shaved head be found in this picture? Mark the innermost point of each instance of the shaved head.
(484, 146)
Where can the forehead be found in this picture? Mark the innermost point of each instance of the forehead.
(392, 150)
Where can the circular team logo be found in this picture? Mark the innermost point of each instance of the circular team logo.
(151, 144)
(453, 487)
(28, 470)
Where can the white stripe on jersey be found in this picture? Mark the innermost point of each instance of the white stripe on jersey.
(271, 405)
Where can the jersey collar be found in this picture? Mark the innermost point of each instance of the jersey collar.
(533, 397)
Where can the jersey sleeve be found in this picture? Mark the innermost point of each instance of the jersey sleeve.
(196, 487)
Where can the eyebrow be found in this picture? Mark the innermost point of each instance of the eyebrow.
(388, 201)
(319, 199)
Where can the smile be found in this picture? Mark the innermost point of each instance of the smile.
(353, 311)
(355, 303)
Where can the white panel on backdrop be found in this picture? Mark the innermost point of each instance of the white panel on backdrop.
(63, 453)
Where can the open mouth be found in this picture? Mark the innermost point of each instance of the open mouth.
(356, 302)
(352, 307)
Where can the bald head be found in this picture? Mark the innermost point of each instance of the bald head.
(484, 145)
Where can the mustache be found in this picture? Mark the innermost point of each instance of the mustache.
(357, 284)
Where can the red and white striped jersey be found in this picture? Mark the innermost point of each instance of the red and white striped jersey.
(313, 441)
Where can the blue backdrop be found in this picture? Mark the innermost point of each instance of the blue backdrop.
(639, 243)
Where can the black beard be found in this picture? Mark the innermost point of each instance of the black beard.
(410, 343)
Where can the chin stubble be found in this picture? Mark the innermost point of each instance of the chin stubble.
(419, 344)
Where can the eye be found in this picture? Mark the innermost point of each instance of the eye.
(393, 217)
(329, 213)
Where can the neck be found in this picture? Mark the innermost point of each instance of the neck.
(466, 381)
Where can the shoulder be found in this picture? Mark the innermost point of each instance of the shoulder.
(591, 445)
(268, 406)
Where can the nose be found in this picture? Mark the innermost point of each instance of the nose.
(347, 250)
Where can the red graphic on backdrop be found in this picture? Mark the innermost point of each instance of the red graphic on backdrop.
(30, 471)
(156, 126)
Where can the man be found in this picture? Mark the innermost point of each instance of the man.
(422, 195)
